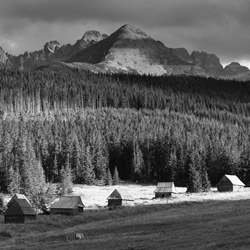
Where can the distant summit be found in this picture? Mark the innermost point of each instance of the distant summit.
(127, 50)
(235, 68)
(92, 36)
(3, 56)
(51, 46)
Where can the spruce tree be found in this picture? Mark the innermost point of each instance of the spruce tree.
(108, 178)
(194, 184)
(116, 178)
(206, 185)
(138, 164)
(65, 186)
(88, 173)
(14, 179)
(194, 180)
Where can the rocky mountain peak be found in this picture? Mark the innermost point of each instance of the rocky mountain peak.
(51, 46)
(3, 56)
(209, 62)
(183, 54)
(235, 68)
(92, 35)
(129, 32)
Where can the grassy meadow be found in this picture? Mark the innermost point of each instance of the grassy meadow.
(189, 225)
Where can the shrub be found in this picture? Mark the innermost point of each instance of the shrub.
(5, 234)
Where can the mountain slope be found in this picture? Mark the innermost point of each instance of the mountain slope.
(53, 52)
(130, 49)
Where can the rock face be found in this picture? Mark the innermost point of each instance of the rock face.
(183, 54)
(51, 47)
(235, 68)
(3, 56)
(91, 36)
(209, 62)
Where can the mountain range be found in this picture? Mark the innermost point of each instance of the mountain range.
(128, 50)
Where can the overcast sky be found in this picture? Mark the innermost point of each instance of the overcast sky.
(221, 27)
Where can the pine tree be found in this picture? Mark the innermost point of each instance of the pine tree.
(108, 178)
(14, 178)
(116, 178)
(194, 180)
(194, 184)
(138, 164)
(65, 186)
(88, 174)
(206, 185)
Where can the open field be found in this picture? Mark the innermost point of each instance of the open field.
(206, 225)
(188, 221)
(96, 196)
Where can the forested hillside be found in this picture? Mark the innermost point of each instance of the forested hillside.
(185, 129)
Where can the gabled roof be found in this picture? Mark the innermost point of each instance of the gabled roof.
(68, 202)
(19, 197)
(19, 207)
(233, 179)
(120, 194)
(165, 187)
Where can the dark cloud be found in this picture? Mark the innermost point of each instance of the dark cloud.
(221, 27)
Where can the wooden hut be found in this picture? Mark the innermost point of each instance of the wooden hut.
(230, 183)
(67, 205)
(19, 210)
(164, 190)
(120, 198)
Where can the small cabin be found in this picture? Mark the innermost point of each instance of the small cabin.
(120, 198)
(230, 183)
(67, 205)
(19, 210)
(164, 190)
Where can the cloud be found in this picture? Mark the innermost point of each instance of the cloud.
(221, 27)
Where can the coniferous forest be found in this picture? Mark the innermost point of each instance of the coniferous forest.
(90, 128)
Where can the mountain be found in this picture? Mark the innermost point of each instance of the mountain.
(235, 68)
(53, 52)
(128, 50)
(3, 56)
(131, 50)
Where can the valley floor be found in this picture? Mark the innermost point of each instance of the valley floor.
(95, 197)
(186, 222)
(190, 226)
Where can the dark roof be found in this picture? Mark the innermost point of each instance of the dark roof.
(233, 179)
(19, 207)
(165, 187)
(120, 194)
(68, 202)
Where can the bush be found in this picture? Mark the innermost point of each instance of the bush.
(5, 234)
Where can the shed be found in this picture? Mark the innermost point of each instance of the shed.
(230, 183)
(164, 189)
(120, 198)
(67, 205)
(19, 210)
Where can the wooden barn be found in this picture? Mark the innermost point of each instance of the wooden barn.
(19, 210)
(67, 205)
(230, 183)
(120, 198)
(164, 190)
